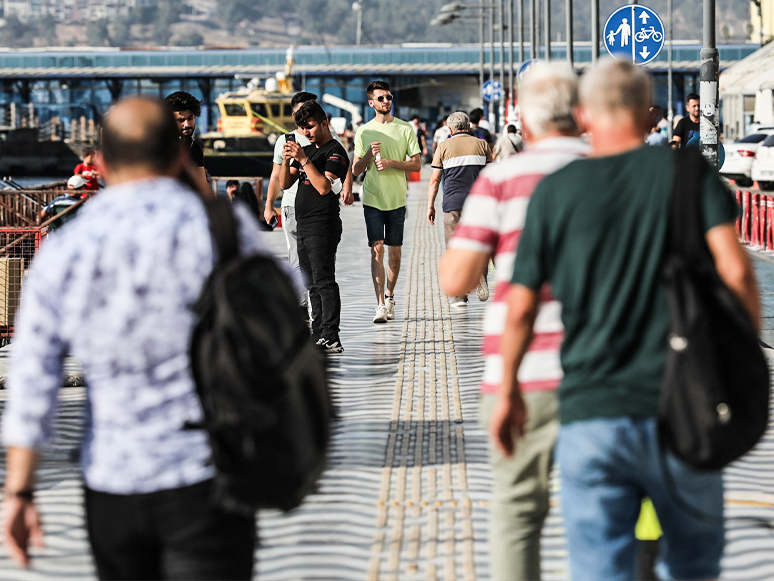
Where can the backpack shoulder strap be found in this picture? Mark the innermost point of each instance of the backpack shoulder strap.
(686, 222)
(223, 228)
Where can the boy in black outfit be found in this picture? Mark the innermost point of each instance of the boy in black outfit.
(320, 168)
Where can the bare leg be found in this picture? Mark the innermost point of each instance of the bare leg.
(377, 270)
(393, 268)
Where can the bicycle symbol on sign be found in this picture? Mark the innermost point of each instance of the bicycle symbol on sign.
(642, 35)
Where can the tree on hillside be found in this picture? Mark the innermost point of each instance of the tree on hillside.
(97, 32)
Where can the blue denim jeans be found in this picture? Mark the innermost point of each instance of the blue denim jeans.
(607, 466)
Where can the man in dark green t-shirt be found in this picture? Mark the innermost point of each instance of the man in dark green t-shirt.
(596, 230)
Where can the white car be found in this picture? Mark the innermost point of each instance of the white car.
(763, 166)
(740, 156)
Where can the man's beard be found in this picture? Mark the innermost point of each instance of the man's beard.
(188, 131)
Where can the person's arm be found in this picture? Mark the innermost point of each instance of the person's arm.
(319, 181)
(462, 269)
(32, 384)
(432, 192)
(509, 415)
(414, 164)
(21, 520)
(347, 197)
(733, 266)
(360, 164)
(289, 173)
(269, 212)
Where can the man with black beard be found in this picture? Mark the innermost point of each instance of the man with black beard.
(186, 108)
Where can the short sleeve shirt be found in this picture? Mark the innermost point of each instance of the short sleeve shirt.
(596, 230)
(197, 153)
(685, 129)
(87, 171)
(386, 189)
(461, 157)
(311, 206)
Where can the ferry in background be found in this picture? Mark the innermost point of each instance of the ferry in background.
(251, 120)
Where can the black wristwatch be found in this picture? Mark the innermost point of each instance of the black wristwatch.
(26, 494)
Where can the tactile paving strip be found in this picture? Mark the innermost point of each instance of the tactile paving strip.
(424, 522)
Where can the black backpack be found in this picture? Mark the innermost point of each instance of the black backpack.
(715, 401)
(261, 380)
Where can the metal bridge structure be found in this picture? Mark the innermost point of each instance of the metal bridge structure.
(70, 83)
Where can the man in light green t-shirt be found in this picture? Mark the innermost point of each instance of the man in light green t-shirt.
(288, 209)
(382, 146)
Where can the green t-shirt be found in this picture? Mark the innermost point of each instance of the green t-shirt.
(386, 189)
(596, 230)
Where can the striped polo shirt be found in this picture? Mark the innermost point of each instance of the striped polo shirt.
(461, 157)
(492, 221)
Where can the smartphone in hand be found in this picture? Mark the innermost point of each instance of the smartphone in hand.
(273, 223)
(290, 137)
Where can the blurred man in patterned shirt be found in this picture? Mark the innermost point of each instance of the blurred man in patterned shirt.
(114, 289)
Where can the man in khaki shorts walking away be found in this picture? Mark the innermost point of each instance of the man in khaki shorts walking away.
(382, 146)
(459, 160)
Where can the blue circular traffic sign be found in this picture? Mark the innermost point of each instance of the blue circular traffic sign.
(492, 91)
(634, 32)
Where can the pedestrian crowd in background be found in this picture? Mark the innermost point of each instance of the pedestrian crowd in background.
(575, 338)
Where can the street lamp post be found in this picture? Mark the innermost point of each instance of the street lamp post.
(509, 92)
(594, 31)
(547, 19)
(358, 7)
(533, 27)
(708, 87)
(670, 82)
(570, 39)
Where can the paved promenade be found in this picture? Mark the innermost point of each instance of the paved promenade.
(406, 493)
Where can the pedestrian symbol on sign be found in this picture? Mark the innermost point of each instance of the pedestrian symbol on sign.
(634, 32)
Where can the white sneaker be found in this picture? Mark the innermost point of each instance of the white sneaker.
(381, 314)
(460, 302)
(482, 291)
(389, 302)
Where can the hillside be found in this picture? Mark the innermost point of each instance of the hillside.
(279, 23)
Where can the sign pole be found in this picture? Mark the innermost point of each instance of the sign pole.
(594, 31)
(533, 34)
(481, 45)
(708, 87)
(547, 19)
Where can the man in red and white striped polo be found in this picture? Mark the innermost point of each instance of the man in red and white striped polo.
(491, 223)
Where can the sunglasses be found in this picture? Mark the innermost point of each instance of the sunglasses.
(383, 98)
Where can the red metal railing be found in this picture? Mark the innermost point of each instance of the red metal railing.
(17, 248)
(755, 226)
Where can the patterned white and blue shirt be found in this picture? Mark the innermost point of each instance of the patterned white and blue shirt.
(114, 288)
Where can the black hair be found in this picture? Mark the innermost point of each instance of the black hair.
(302, 97)
(377, 86)
(157, 145)
(475, 115)
(230, 183)
(692, 97)
(311, 110)
(511, 128)
(182, 101)
(415, 117)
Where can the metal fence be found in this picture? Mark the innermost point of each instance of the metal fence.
(755, 225)
(17, 248)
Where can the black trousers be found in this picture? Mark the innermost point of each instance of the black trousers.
(171, 534)
(317, 245)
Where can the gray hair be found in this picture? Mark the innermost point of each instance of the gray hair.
(617, 85)
(458, 121)
(547, 96)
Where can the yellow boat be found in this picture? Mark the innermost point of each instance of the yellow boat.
(250, 121)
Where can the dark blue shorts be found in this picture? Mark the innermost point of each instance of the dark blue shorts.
(385, 226)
